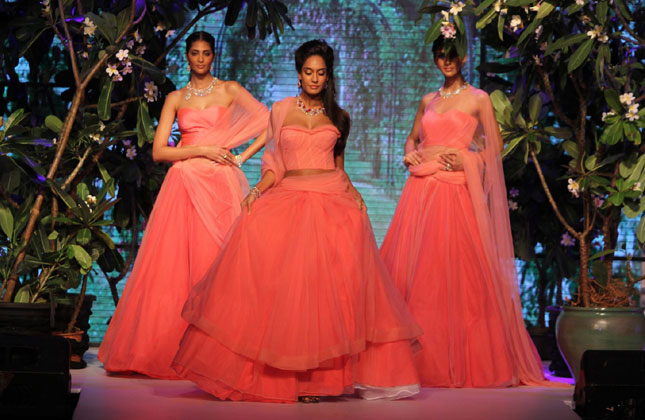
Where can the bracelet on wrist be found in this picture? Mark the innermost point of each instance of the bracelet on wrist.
(256, 192)
(238, 160)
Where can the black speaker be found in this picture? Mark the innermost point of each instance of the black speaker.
(611, 385)
(35, 381)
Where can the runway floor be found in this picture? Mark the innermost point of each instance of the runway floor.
(141, 398)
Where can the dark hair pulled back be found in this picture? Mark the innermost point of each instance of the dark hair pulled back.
(200, 36)
(336, 114)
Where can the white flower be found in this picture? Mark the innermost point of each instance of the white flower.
(595, 32)
(538, 32)
(85, 55)
(90, 199)
(637, 187)
(170, 33)
(446, 17)
(122, 55)
(55, 140)
(151, 90)
(141, 49)
(537, 60)
(88, 26)
(456, 8)
(101, 126)
(111, 70)
(543, 46)
(514, 192)
(632, 116)
(607, 114)
(160, 27)
(627, 98)
(580, 2)
(516, 22)
(130, 44)
(504, 11)
(127, 68)
(131, 152)
(95, 137)
(498, 6)
(117, 77)
(45, 4)
(585, 19)
(535, 8)
(567, 240)
(137, 37)
(603, 38)
(574, 188)
(633, 107)
(598, 201)
(512, 205)
(448, 31)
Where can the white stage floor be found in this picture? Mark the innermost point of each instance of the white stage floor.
(141, 398)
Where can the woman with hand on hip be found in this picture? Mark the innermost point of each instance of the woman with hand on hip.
(196, 206)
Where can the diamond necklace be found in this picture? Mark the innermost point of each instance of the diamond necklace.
(200, 92)
(445, 94)
(309, 111)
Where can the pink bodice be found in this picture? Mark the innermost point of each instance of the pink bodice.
(454, 129)
(201, 126)
(304, 148)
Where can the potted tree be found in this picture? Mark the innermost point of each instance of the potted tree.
(579, 88)
(75, 147)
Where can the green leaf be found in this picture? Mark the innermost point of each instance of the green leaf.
(80, 255)
(482, 6)
(83, 236)
(590, 163)
(601, 254)
(104, 237)
(53, 236)
(613, 100)
(545, 10)
(559, 132)
(433, 32)
(580, 55)
(106, 178)
(565, 42)
(501, 20)
(69, 201)
(11, 180)
(601, 11)
(512, 145)
(535, 106)
(82, 191)
(23, 295)
(612, 134)
(571, 148)
(530, 30)
(106, 27)
(500, 102)
(624, 10)
(122, 20)
(637, 171)
(154, 72)
(105, 100)
(6, 222)
(145, 130)
(632, 133)
(53, 123)
(488, 17)
(573, 8)
(640, 230)
(32, 40)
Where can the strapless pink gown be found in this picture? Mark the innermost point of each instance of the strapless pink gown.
(299, 301)
(435, 254)
(196, 205)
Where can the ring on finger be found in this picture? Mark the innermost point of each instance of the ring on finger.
(224, 156)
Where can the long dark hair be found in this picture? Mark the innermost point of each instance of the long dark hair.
(338, 116)
(200, 36)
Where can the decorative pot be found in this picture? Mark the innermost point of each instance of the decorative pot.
(580, 329)
(75, 339)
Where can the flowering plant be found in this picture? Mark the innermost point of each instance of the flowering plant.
(573, 90)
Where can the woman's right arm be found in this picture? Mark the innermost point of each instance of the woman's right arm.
(412, 156)
(267, 181)
(161, 152)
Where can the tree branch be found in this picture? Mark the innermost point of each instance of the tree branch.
(556, 106)
(76, 169)
(626, 26)
(70, 44)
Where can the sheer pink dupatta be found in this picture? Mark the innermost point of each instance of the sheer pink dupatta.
(485, 180)
(244, 119)
(272, 156)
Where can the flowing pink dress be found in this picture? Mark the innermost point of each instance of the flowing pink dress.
(299, 302)
(197, 204)
(450, 253)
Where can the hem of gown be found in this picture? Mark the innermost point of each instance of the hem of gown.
(368, 392)
(133, 370)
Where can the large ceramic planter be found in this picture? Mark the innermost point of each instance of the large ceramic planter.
(581, 329)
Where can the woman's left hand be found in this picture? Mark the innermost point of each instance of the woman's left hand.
(452, 161)
(358, 198)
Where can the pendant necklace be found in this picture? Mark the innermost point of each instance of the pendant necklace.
(200, 92)
(445, 94)
(309, 111)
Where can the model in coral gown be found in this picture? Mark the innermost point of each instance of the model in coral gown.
(449, 246)
(299, 302)
(197, 204)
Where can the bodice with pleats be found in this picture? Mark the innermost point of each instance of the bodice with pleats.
(453, 128)
(304, 148)
(200, 126)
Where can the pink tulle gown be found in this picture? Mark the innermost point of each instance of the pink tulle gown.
(197, 204)
(450, 253)
(299, 302)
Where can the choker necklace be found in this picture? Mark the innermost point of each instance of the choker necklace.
(309, 111)
(445, 94)
(200, 92)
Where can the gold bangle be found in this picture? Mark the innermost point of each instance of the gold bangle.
(256, 192)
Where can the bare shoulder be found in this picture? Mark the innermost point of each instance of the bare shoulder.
(479, 94)
(173, 98)
(232, 87)
(427, 98)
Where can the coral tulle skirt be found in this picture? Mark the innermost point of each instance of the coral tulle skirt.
(435, 255)
(299, 303)
(197, 204)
